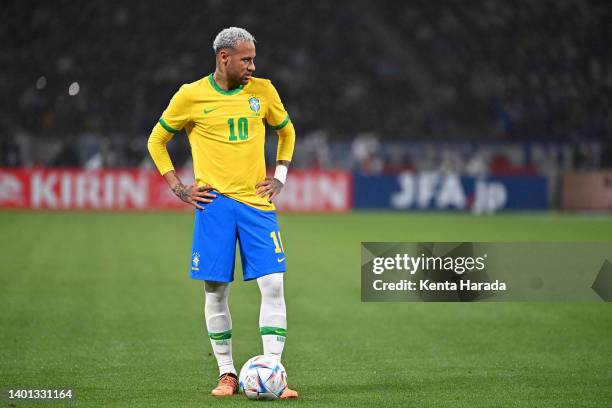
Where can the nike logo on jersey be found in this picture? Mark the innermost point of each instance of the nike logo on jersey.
(280, 259)
(207, 111)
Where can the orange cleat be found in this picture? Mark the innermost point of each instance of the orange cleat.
(227, 386)
(289, 393)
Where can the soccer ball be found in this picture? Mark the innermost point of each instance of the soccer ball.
(262, 378)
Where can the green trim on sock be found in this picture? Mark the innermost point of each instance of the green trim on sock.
(220, 336)
(276, 331)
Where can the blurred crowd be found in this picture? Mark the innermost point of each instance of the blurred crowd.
(84, 82)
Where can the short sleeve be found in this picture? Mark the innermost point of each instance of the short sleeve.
(177, 114)
(277, 116)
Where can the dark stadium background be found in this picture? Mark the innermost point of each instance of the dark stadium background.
(411, 118)
(492, 70)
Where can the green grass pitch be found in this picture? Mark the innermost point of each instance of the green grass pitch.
(102, 303)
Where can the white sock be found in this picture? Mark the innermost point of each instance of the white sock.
(219, 324)
(273, 314)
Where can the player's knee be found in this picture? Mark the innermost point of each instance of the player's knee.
(273, 293)
(271, 286)
(213, 299)
(216, 294)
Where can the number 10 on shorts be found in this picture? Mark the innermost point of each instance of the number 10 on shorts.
(278, 242)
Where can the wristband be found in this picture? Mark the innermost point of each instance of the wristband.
(281, 173)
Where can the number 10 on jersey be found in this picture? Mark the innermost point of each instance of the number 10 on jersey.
(243, 129)
(278, 242)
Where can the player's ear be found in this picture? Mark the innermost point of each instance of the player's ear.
(223, 56)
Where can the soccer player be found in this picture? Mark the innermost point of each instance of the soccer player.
(223, 115)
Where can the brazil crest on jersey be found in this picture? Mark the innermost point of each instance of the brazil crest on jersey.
(226, 132)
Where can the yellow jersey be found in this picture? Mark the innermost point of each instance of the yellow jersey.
(226, 131)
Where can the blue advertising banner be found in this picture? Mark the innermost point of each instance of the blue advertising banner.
(450, 191)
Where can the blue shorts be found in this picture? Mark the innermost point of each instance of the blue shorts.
(215, 231)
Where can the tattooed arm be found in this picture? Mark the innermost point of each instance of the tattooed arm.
(191, 194)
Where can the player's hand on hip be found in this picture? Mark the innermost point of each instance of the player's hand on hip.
(194, 194)
(269, 188)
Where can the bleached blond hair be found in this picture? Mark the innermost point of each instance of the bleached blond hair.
(230, 37)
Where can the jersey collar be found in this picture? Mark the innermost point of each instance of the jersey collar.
(222, 91)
